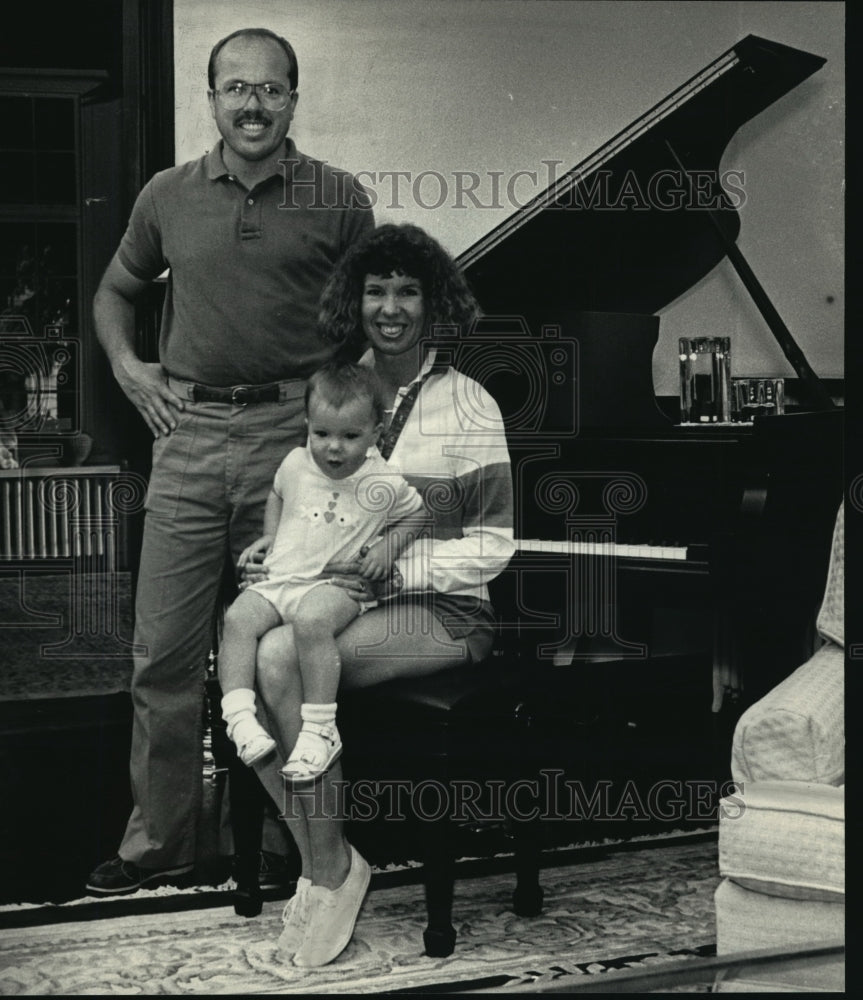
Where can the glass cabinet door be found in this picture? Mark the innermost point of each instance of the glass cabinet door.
(41, 380)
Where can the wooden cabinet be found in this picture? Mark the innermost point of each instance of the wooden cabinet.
(59, 224)
(78, 145)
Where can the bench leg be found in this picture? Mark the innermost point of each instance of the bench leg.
(439, 875)
(528, 895)
(247, 821)
(527, 833)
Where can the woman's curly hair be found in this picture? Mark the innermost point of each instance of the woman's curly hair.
(395, 249)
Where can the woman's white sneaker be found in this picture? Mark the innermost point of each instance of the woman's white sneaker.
(294, 919)
(332, 916)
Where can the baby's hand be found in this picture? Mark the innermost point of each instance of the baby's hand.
(255, 552)
(375, 562)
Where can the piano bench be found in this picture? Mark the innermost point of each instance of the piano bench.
(427, 753)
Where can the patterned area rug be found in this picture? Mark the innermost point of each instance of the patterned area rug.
(629, 910)
(64, 635)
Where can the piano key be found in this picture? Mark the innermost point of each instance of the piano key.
(602, 549)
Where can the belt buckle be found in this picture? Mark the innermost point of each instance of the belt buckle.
(237, 393)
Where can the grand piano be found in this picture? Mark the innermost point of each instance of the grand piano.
(623, 516)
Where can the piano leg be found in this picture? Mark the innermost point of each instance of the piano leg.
(439, 874)
(248, 802)
(527, 896)
(526, 826)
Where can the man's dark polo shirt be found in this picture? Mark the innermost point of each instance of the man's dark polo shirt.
(246, 267)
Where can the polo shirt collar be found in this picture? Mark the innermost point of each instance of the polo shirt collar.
(215, 163)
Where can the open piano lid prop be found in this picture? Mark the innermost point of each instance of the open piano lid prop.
(571, 252)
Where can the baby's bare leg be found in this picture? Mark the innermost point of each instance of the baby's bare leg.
(247, 619)
(322, 614)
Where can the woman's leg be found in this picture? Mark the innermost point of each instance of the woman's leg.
(397, 640)
(385, 643)
(280, 686)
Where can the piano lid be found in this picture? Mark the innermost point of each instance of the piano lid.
(623, 231)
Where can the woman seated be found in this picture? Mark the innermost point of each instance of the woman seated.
(393, 292)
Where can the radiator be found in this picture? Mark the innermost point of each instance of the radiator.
(76, 513)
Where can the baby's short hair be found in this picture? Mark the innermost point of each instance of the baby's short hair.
(339, 382)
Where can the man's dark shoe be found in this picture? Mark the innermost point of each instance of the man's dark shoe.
(117, 877)
(275, 872)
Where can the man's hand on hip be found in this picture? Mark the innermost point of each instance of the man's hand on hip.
(146, 386)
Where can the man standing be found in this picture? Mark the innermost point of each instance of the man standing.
(250, 233)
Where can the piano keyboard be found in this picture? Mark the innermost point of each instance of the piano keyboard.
(600, 549)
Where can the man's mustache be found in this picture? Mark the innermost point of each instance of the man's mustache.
(253, 116)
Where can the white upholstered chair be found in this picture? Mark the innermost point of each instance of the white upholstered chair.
(782, 855)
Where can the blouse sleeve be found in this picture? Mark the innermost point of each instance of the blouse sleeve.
(407, 502)
(480, 490)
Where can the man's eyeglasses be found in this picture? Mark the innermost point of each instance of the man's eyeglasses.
(273, 96)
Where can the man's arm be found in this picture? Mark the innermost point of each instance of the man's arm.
(143, 383)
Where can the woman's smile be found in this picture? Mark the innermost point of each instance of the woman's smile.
(393, 311)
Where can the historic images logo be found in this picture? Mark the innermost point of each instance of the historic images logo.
(601, 189)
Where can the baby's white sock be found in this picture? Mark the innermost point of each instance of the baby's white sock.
(238, 709)
(321, 713)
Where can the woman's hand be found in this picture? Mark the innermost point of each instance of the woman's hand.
(7, 458)
(251, 561)
(347, 576)
(375, 561)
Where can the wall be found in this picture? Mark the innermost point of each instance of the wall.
(502, 85)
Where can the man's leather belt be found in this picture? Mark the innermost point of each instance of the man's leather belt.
(238, 395)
